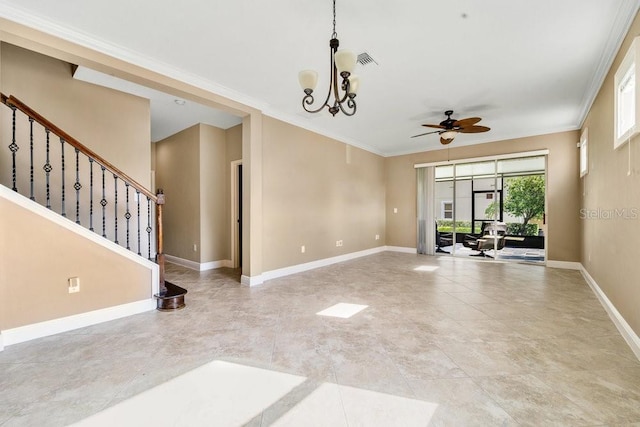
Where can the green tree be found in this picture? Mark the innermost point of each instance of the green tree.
(525, 198)
(492, 211)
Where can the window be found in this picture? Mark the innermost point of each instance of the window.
(626, 104)
(447, 210)
(584, 152)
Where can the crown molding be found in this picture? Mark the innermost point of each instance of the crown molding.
(625, 17)
(20, 16)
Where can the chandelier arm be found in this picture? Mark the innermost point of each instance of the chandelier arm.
(351, 104)
(345, 87)
(308, 99)
(339, 101)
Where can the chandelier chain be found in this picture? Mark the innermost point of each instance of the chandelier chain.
(334, 35)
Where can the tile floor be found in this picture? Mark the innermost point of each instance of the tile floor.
(442, 341)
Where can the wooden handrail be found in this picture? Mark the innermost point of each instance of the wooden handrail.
(12, 101)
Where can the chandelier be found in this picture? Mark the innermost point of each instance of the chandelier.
(342, 64)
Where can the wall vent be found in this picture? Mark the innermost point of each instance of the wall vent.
(365, 59)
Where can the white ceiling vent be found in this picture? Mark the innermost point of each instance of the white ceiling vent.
(365, 59)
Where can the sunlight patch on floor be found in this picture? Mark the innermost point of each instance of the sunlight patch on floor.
(426, 268)
(338, 405)
(227, 394)
(218, 393)
(343, 310)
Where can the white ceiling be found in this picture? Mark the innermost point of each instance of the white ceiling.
(527, 68)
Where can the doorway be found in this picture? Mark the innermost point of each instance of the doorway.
(236, 213)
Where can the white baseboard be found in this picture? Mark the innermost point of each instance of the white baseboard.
(401, 249)
(567, 265)
(69, 323)
(623, 327)
(216, 264)
(252, 280)
(193, 265)
(286, 271)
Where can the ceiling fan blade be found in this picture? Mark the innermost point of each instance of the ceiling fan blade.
(466, 122)
(435, 126)
(444, 141)
(474, 129)
(427, 133)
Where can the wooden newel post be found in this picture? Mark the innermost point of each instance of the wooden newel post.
(170, 296)
(159, 242)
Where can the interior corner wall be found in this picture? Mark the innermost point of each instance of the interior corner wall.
(317, 191)
(563, 225)
(215, 232)
(610, 202)
(178, 174)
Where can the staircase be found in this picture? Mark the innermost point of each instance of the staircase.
(52, 168)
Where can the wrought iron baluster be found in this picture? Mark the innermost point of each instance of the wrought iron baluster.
(149, 227)
(103, 202)
(47, 169)
(138, 201)
(32, 197)
(115, 208)
(90, 194)
(77, 186)
(127, 214)
(63, 213)
(14, 148)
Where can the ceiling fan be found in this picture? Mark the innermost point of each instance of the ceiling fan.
(449, 128)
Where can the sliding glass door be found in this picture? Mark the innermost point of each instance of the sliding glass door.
(491, 209)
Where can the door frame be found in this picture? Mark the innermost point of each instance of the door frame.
(235, 225)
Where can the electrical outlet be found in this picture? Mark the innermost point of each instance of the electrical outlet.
(338, 243)
(395, 210)
(302, 249)
(377, 237)
(74, 285)
(195, 247)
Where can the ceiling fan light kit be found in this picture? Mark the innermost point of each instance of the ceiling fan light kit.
(450, 128)
(344, 92)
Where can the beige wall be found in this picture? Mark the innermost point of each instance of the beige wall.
(214, 206)
(610, 244)
(113, 124)
(38, 257)
(178, 174)
(317, 191)
(234, 143)
(563, 227)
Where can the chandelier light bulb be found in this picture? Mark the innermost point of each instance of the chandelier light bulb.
(308, 79)
(354, 84)
(345, 61)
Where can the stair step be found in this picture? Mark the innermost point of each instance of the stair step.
(172, 298)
